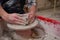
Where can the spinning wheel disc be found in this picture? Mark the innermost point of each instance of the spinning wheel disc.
(22, 27)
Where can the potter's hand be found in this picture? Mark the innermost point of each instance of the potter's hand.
(13, 18)
(31, 17)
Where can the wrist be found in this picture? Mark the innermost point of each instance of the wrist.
(4, 14)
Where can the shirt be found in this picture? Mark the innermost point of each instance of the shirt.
(31, 2)
(16, 6)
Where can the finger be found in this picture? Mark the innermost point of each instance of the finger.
(14, 20)
(19, 23)
(30, 16)
(19, 18)
(32, 20)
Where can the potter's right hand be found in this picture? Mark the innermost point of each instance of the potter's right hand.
(13, 18)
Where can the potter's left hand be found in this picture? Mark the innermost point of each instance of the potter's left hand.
(31, 17)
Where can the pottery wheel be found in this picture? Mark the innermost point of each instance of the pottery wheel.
(22, 27)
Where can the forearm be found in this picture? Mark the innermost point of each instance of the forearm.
(2, 12)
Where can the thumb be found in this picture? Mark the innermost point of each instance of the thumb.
(30, 16)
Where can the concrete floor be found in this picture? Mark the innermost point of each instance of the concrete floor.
(50, 13)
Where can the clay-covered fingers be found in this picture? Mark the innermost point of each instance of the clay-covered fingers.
(18, 20)
(31, 18)
(14, 18)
